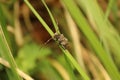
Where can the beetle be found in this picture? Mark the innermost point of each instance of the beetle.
(62, 40)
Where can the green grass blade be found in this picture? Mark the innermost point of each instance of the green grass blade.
(107, 33)
(66, 52)
(106, 30)
(84, 26)
(72, 60)
(51, 16)
(5, 50)
(39, 18)
(110, 5)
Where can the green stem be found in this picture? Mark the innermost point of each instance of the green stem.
(92, 38)
(66, 52)
(51, 16)
(40, 18)
(73, 61)
(5, 49)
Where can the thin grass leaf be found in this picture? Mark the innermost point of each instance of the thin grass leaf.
(75, 64)
(66, 52)
(110, 5)
(72, 76)
(5, 50)
(51, 16)
(107, 33)
(85, 28)
(40, 18)
(7, 13)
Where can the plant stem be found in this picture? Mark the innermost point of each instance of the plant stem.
(51, 16)
(40, 18)
(66, 52)
(5, 49)
(92, 38)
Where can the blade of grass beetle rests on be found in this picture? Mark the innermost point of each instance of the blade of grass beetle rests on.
(66, 52)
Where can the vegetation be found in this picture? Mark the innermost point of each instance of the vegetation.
(33, 46)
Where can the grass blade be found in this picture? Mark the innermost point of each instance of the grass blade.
(66, 52)
(40, 18)
(51, 16)
(84, 26)
(107, 33)
(110, 5)
(5, 50)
